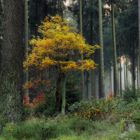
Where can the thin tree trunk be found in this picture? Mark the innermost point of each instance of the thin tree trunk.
(101, 70)
(91, 72)
(1, 4)
(120, 78)
(126, 73)
(26, 42)
(81, 32)
(81, 16)
(138, 44)
(133, 69)
(125, 76)
(63, 107)
(12, 61)
(61, 93)
(60, 7)
(1, 15)
(115, 52)
(58, 96)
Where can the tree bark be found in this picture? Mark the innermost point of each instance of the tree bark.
(91, 72)
(1, 15)
(63, 108)
(26, 41)
(101, 67)
(138, 44)
(133, 69)
(58, 96)
(12, 61)
(81, 32)
(61, 94)
(116, 90)
(120, 78)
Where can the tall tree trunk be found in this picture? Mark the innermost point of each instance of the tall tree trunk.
(61, 93)
(81, 16)
(120, 82)
(26, 41)
(101, 70)
(81, 31)
(12, 61)
(91, 72)
(63, 107)
(125, 76)
(1, 15)
(58, 96)
(138, 44)
(60, 7)
(126, 73)
(116, 90)
(133, 69)
(1, 4)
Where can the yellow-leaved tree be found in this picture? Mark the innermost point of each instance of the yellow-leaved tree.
(58, 45)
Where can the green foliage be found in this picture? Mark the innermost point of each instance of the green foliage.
(24, 130)
(114, 109)
(136, 116)
(130, 95)
(128, 32)
(95, 109)
(80, 126)
(67, 128)
(136, 119)
(48, 108)
(87, 137)
(122, 125)
(57, 128)
(135, 135)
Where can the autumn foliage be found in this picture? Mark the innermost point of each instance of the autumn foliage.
(60, 46)
(39, 100)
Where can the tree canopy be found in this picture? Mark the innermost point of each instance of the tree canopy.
(60, 46)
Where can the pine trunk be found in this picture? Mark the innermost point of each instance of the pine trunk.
(12, 61)
(63, 108)
(81, 31)
(26, 42)
(101, 67)
(138, 44)
(1, 14)
(116, 90)
(58, 96)
(133, 69)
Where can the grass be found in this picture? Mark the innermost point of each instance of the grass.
(72, 127)
(60, 128)
(66, 128)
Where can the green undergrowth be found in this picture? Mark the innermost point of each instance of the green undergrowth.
(92, 120)
(66, 128)
(59, 128)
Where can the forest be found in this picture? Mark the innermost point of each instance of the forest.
(69, 69)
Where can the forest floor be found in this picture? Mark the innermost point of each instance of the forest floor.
(114, 119)
(67, 128)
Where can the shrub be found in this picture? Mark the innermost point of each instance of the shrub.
(135, 135)
(94, 110)
(60, 127)
(130, 95)
(48, 108)
(114, 110)
(136, 119)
